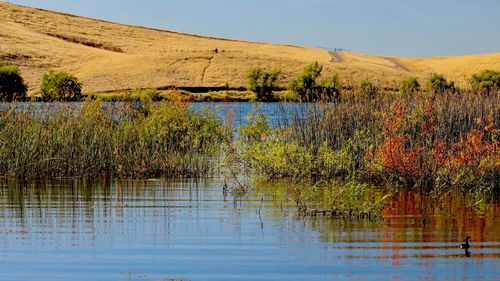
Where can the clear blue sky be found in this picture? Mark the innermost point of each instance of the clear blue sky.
(391, 27)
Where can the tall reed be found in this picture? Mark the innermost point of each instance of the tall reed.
(420, 139)
(160, 139)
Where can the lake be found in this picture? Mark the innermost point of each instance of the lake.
(239, 111)
(191, 230)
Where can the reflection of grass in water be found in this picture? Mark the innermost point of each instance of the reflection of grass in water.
(330, 198)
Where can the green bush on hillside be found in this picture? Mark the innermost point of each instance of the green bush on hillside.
(306, 86)
(486, 81)
(262, 82)
(409, 86)
(437, 84)
(331, 87)
(12, 86)
(60, 86)
(305, 82)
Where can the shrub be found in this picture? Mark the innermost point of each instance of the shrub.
(366, 89)
(486, 81)
(437, 84)
(12, 87)
(409, 86)
(60, 86)
(262, 82)
(330, 88)
(305, 83)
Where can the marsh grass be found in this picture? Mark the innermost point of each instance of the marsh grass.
(435, 141)
(155, 140)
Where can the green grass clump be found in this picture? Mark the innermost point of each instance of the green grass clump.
(158, 140)
(149, 95)
(226, 96)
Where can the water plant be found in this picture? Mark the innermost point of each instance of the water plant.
(434, 141)
(158, 140)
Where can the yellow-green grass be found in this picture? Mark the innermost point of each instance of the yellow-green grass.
(186, 96)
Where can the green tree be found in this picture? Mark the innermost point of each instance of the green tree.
(330, 88)
(60, 86)
(304, 85)
(409, 86)
(12, 86)
(437, 84)
(262, 82)
(485, 81)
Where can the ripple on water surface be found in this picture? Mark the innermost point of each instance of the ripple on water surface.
(187, 230)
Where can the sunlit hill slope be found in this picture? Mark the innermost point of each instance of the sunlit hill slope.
(108, 56)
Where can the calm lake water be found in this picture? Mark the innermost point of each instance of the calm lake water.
(187, 230)
(238, 111)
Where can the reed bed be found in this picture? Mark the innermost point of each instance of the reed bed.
(92, 140)
(435, 141)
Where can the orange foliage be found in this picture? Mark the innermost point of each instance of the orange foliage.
(476, 146)
(421, 156)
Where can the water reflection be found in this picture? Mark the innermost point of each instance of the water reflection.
(189, 230)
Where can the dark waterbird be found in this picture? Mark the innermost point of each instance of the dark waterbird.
(465, 245)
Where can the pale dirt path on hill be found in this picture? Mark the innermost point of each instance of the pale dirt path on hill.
(398, 64)
(337, 58)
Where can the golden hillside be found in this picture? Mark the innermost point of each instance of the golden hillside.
(109, 56)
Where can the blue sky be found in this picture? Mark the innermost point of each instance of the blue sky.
(391, 27)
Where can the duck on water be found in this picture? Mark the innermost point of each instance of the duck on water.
(465, 245)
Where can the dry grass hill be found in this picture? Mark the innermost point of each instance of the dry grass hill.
(108, 56)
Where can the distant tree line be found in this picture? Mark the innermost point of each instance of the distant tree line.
(307, 86)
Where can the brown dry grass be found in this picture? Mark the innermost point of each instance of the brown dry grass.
(109, 57)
